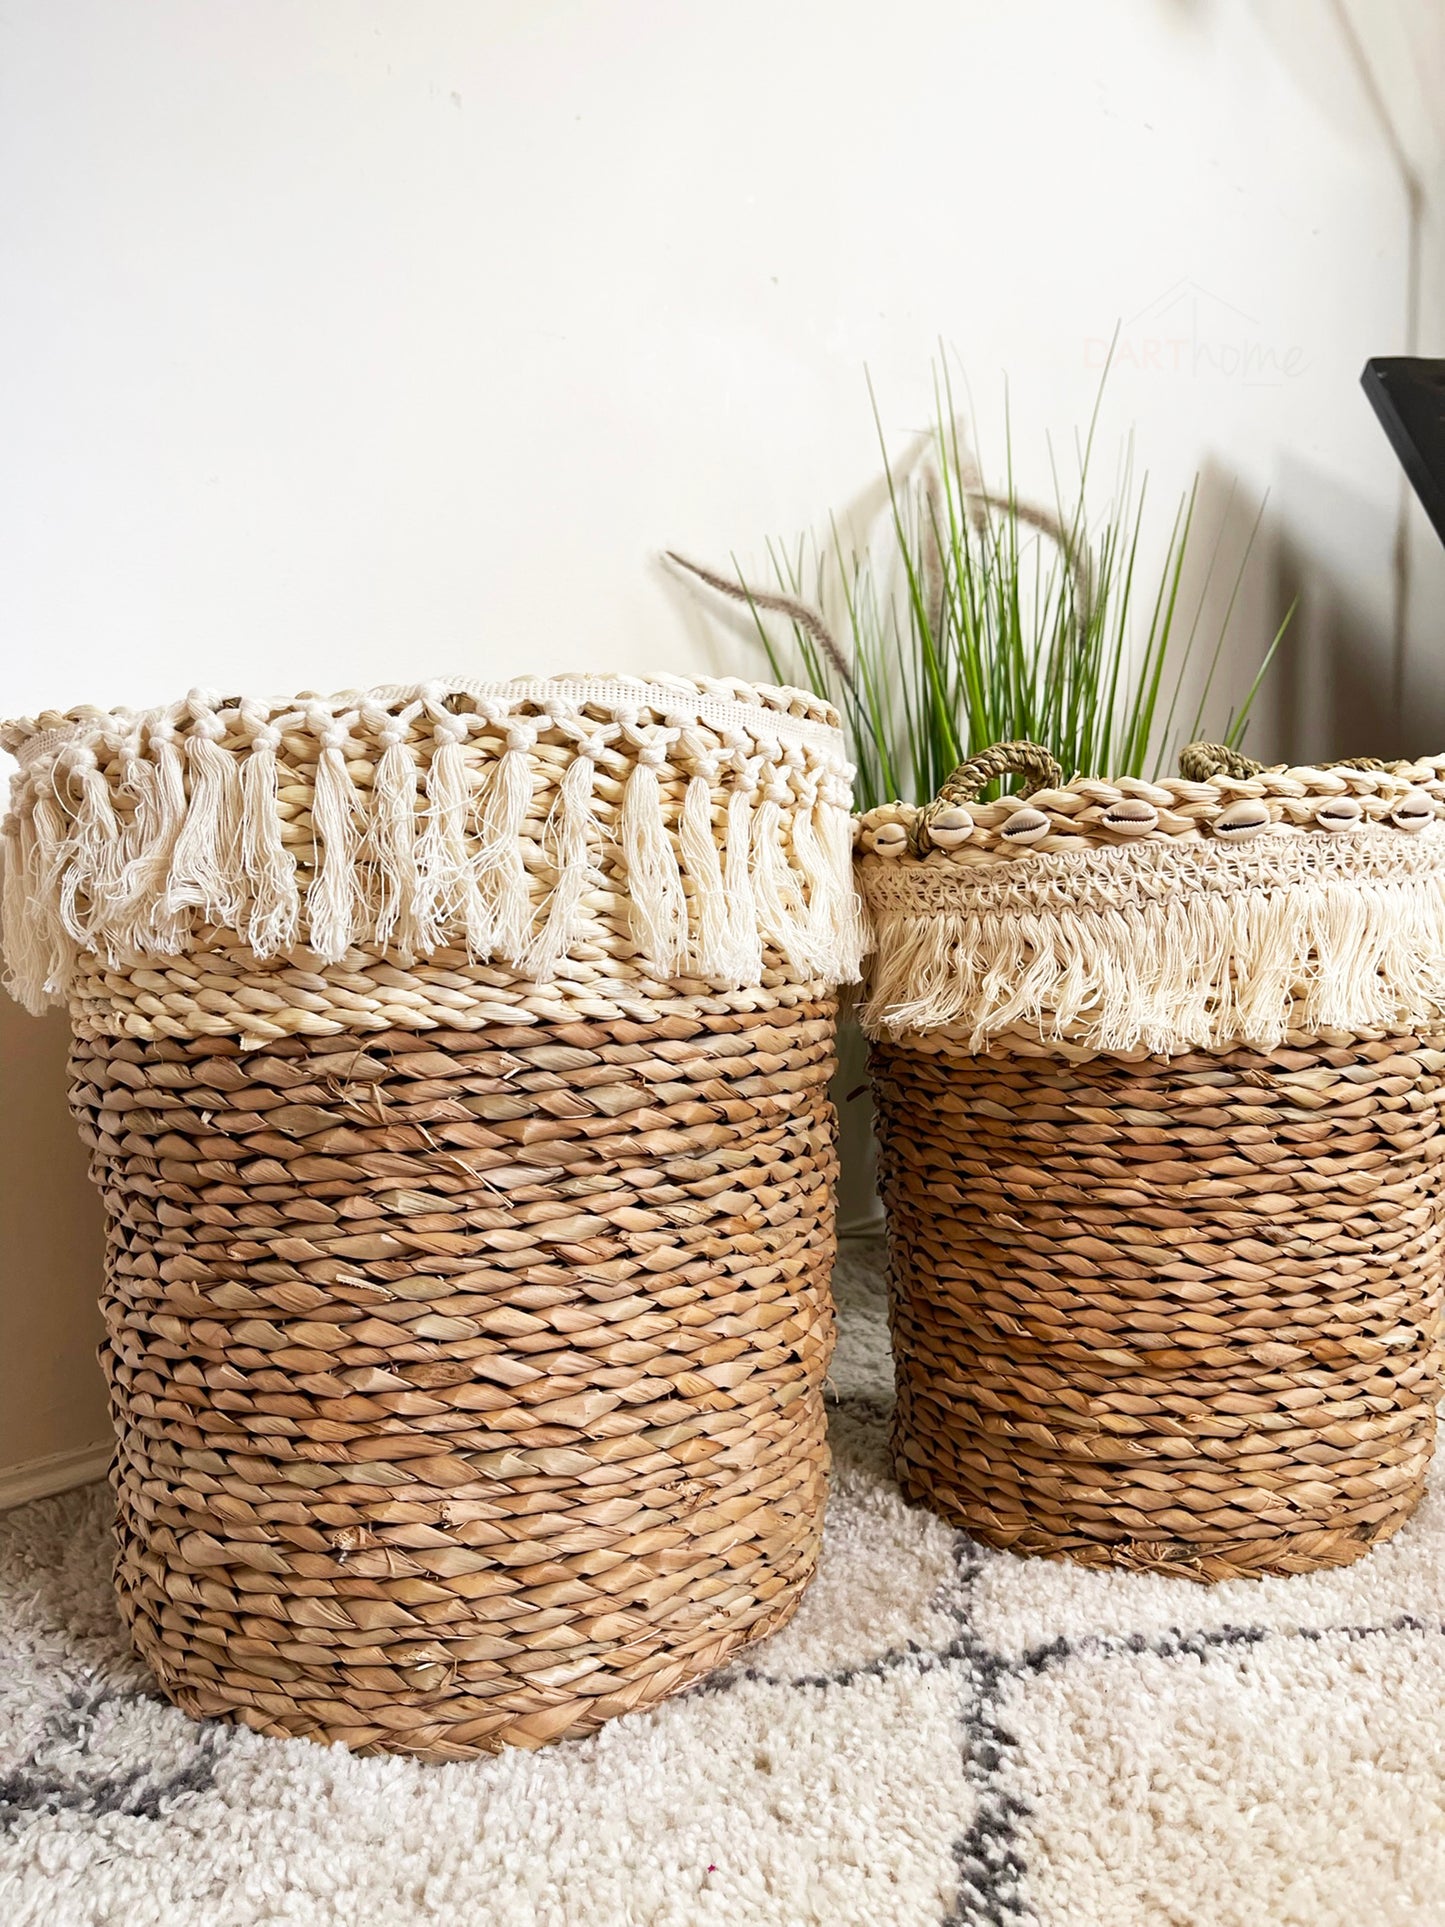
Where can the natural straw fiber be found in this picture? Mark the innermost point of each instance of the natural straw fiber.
(1158, 1080)
(466, 1294)
(669, 831)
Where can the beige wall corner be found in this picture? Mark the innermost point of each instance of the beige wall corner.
(53, 1423)
(860, 1210)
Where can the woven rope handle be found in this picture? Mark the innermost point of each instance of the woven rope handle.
(1036, 765)
(1198, 762)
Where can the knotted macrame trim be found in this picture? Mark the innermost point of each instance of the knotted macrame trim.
(457, 815)
(1163, 948)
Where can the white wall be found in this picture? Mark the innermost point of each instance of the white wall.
(346, 341)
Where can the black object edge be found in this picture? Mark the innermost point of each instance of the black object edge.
(1407, 392)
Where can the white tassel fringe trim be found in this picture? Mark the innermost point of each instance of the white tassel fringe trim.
(127, 832)
(1218, 947)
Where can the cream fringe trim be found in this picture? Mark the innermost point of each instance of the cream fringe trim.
(128, 832)
(1163, 949)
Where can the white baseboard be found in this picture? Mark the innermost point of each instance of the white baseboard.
(38, 1478)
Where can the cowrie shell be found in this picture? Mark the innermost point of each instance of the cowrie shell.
(951, 827)
(1339, 813)
(1242, 820)
(1414, 810)
(889, 839)
(1025, 826)
(1131, 816)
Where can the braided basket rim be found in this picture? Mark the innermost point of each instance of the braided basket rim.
(727, 701)
(1165, 810)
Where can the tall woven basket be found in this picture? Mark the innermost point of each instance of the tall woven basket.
(454, 1064)
(1158, 1080)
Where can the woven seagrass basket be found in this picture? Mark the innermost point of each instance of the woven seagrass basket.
(454, 1063)
(1158, 1077)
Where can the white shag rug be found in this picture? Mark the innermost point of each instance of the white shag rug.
(943, 1735)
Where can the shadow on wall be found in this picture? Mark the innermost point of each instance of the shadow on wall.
(1339, 686)
(1224, 568)
(724, 633)
(1336, 688)
(52, 1396)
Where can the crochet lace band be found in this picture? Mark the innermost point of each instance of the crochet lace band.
(1163, 946)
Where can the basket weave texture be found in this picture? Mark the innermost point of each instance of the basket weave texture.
(1158, 1075)
(469, 1200)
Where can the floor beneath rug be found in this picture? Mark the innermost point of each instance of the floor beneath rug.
(943, 1735)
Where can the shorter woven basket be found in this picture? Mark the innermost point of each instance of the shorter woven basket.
(454, 1063)
(1158, 1079)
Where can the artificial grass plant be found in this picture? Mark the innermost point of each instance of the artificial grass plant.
(978, 618)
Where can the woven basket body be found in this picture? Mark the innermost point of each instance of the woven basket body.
(1160, 1136)
(467, 1313)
